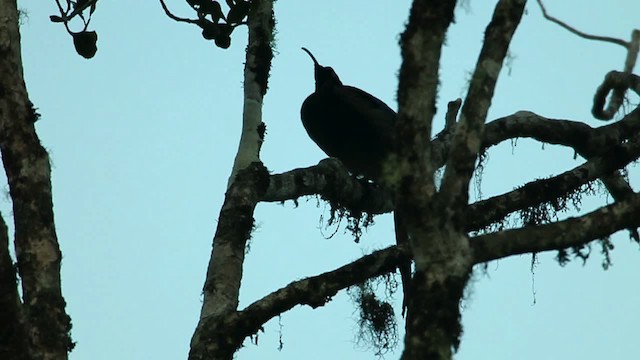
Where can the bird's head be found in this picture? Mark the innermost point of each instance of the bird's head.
(325, 76)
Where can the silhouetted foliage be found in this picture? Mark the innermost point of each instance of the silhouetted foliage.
(85, 42)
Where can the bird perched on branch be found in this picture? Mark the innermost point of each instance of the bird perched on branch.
(348, 123)
(358, 129)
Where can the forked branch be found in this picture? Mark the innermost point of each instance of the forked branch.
(469, 130)
(559, 235)
(633, 46)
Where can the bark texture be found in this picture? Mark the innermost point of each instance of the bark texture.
(13, 331)
(26, 164)
(435, 221)
(215, 337)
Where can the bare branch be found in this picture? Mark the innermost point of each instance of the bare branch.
(580, 33)
(318, 290)
(452, 113)
(314, 291)
(305, 291)
(617, 82)
(174, 17)
(468, 134)
(632, 47)
(494, 209)
(559, 235)
(632, 51)
(585, 140)
(333, 182)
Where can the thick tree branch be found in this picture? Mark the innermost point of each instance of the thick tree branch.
(316, 291)
(421, 47)
(13, 329)
(313, 291)
(496, 208)
(28, 171)
(468, 134)
(617, 82)
(585, 140)
(559, 235)
(256, 76)
(247, 184)
(222, 286)
(331, 180)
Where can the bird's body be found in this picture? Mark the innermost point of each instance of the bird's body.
(358, 129)
(351, 125)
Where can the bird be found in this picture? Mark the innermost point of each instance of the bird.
(348, 123)
(358, 129)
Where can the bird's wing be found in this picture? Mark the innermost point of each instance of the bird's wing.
(366, 99)
(380, 116)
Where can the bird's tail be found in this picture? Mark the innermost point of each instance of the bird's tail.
(402, 239)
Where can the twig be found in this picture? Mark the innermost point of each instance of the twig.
(452, 113)
(174, 17)
(617, 96)
(580, 33)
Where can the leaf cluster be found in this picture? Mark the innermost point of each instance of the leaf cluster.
(84, 41)
(210, 14)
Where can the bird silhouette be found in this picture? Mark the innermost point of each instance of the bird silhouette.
(348, 123)
(358, 129)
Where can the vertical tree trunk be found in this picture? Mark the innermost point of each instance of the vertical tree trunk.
(433, 326)
(248, 181)
(13, 334)
(435, 221)
(27, 167)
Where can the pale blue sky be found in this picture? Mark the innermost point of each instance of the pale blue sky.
(142, 138)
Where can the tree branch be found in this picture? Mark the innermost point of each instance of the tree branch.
(496, 208)
(421, 48)
(331, 180)
(452, 113)
(247, 184)
(585, 140)
(28, 171)
(580, 33)
(468, 134)
(317, 290)
(14, 339)
(617, 82)
(632, 47)
(176, 18)
(313, 291)
(559, 235)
